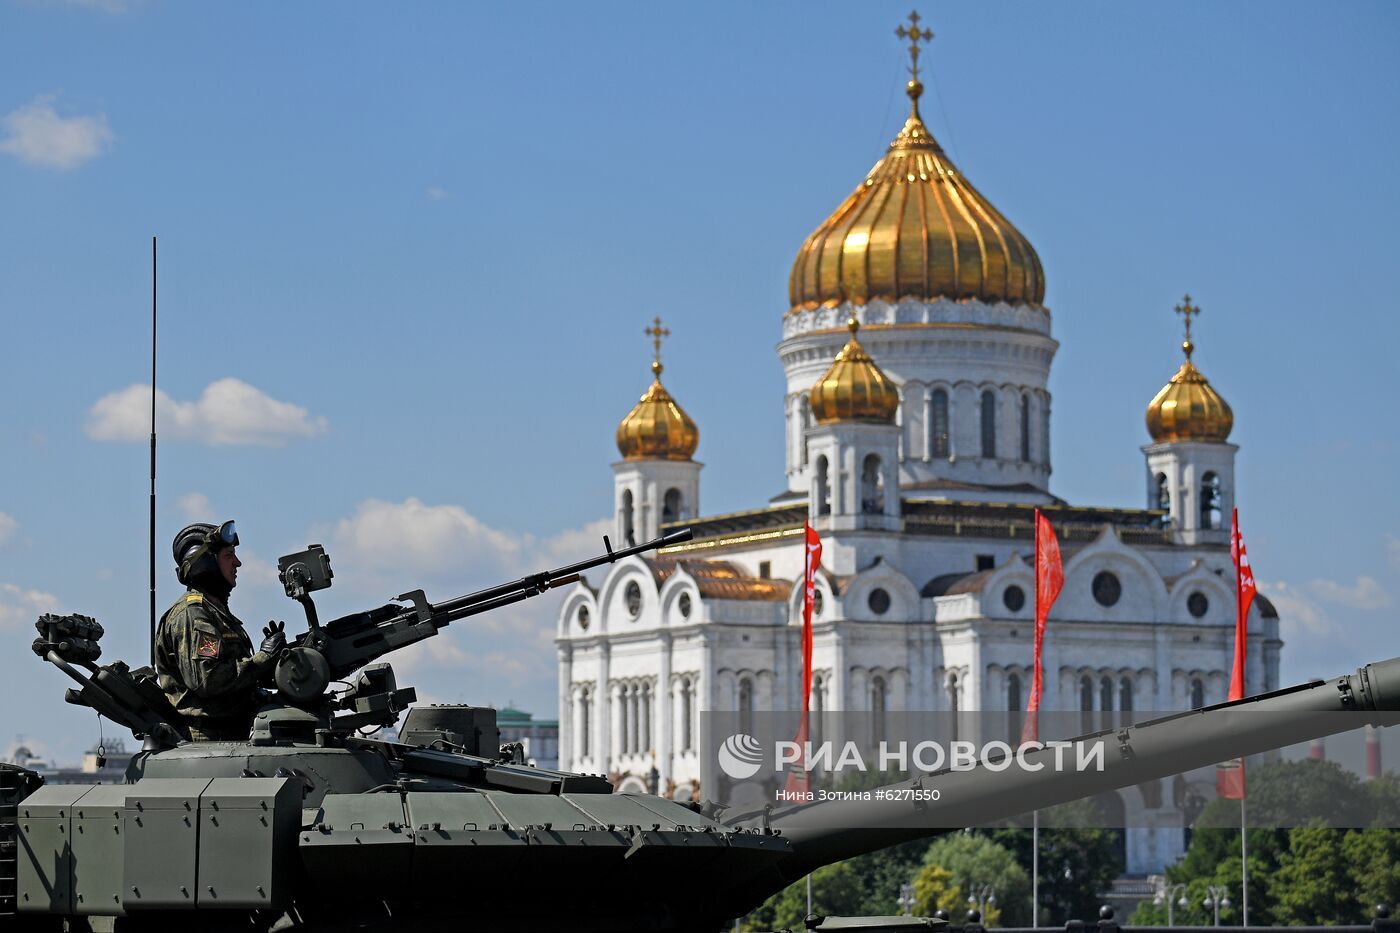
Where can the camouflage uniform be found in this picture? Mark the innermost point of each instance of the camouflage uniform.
(208, 669)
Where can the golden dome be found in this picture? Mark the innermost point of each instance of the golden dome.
(657, 428)
(854, 388)
(1187, 408)
(915, 228)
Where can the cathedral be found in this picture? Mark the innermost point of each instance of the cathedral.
(917, 351)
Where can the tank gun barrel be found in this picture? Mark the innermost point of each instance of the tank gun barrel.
(826, 832)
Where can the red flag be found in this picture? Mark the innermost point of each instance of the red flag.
(1229, 777)
(1245, 591)
(1049, 580)
(800, 780)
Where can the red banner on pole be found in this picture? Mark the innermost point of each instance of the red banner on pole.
(1245, 591)
(801, 779)
(1049, 580)
(1229, 777)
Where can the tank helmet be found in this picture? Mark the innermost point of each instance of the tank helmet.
(197, 546)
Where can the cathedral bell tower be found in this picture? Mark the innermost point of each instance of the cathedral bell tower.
(1190, 465)
(854, 445)
(656, 481)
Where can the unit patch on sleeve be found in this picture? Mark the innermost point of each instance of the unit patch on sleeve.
(208, 646)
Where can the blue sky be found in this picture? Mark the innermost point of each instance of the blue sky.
(421, 242)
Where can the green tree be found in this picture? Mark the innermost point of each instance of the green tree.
(1077, 862)
(977, 862)
(935, 889)
(1294, 793)
(1300, 874)
(1374, 857)
(836, 889)
(883, 872)
(1314, 885)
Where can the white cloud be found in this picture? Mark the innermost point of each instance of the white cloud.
(228, 412)
(195, 506)
(35, 133)
(413, 537)
(8, 526)
(1298, 614)
(1365, 593)
(437, 194)
(411, 543)
(20, 607)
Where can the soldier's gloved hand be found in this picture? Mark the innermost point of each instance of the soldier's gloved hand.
(274, 637)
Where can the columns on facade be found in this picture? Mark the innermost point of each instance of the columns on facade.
(664, 716)
(566, 706)
(840, 699)
(603, 710)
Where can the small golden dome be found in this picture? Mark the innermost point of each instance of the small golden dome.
(657, 428)
(1187, 408)
(915, 228)
(854, 388)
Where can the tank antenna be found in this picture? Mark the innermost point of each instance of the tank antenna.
(153, 452)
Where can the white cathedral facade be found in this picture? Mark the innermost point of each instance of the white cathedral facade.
(917, 352)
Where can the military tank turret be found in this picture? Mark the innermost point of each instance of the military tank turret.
(312, 824)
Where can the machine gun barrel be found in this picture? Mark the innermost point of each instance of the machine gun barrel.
(826, 832)
(536, 583)
(353, 641)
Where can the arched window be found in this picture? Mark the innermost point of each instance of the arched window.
(1125, 695)
(1026, 428)
(629, 532)
(633, 719)
(878, 702)
(644, 730)
(1210, 501)
(804, 413)
(872, 487)
(989, 425)
(1198, 693)
(1086, 703)
(746, 706)
(585, 722)
(1045, 431)
(1013, 708)
(823, 488)
(953, 704)
(1106, 694)
(687, 714)
(1164, 493)
(938, 416)
(673, 506)
(814, 723)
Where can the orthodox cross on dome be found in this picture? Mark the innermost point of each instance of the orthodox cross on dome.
(656, 332)
(915, 34)
(1186, 309)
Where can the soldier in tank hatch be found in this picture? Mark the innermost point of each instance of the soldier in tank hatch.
(206, 662)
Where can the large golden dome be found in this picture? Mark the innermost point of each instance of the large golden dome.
(854, 388)
(657, 428)
(1188, 408)
(915, 228)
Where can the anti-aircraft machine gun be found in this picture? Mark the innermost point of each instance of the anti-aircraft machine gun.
(310, 825)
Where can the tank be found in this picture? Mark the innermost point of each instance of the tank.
(312, 824)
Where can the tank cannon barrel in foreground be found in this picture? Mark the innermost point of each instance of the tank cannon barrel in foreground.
(822, 833)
